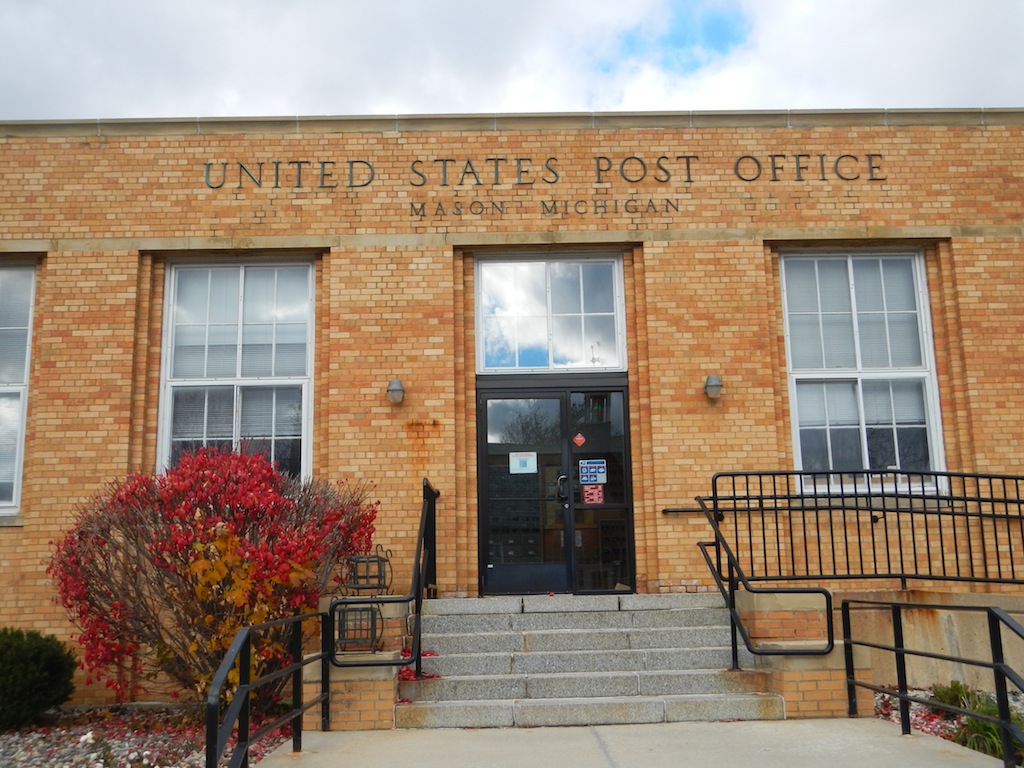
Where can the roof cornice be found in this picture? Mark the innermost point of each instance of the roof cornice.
(575, 121)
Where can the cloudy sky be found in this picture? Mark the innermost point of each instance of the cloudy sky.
(85, 59)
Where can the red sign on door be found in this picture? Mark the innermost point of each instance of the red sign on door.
(593, 494)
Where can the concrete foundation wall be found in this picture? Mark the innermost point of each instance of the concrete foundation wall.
(794, 621)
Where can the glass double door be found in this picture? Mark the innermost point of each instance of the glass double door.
(555, 507)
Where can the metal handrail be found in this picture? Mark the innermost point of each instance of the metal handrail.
(998, 620)
(237, 711)
(736, 623)
(236, 716)
(873, 524)
(423, 580)
(802, 526)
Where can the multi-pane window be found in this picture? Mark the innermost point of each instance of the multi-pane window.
(239, 359)
(545, 315)
(859, 362)
(16, 291)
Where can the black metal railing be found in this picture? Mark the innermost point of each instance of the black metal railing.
(999, 624)
(424, 583)
(730, 576)
(774, 529)
(236, 717)
(236, 708)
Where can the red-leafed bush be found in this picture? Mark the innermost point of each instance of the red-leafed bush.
(160, 572)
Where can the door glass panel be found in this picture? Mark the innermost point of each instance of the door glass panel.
(525, 526)
(597, 438)
(602, 550)
(555, 512)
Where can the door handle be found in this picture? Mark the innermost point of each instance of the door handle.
(563, 494)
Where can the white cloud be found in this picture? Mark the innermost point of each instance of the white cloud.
(879, 53)
(125, 58)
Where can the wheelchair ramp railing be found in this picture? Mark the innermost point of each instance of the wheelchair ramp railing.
(787, 532)
(1004, 633)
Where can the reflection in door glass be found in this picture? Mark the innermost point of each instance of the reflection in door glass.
(602, 550)
(555, 503)
(524, 423)
(524, 462)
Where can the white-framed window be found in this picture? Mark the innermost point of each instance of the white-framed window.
(17, 288)
(860, 361)
(237, 361)
(555, 313)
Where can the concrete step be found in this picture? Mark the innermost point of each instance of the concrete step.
(567, 612)
(594, 685)
(612, 710)
(569, 603)
(632, 638)
(580, 660)
(446, 624)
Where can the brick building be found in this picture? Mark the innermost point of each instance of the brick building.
(556, 296)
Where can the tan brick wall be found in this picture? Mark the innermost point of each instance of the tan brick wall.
(80, 418)
(811, 692)
(356, 705)
(105, 208)
(812, 685)
(382, 314)
(362, 698)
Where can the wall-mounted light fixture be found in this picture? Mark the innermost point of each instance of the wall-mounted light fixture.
(713, 386)
(396, 392)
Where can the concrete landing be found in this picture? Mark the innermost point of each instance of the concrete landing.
(864, 743)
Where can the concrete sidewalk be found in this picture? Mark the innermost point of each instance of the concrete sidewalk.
(780, 744)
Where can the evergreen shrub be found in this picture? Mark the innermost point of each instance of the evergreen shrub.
(36, 674)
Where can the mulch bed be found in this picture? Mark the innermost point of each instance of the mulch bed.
(133, 736)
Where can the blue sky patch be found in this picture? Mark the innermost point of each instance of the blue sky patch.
(691, 34)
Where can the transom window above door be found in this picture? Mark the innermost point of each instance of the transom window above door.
(550, 314)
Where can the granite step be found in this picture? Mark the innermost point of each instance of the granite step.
(594, 685)
(610, 710)
(563, 660)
